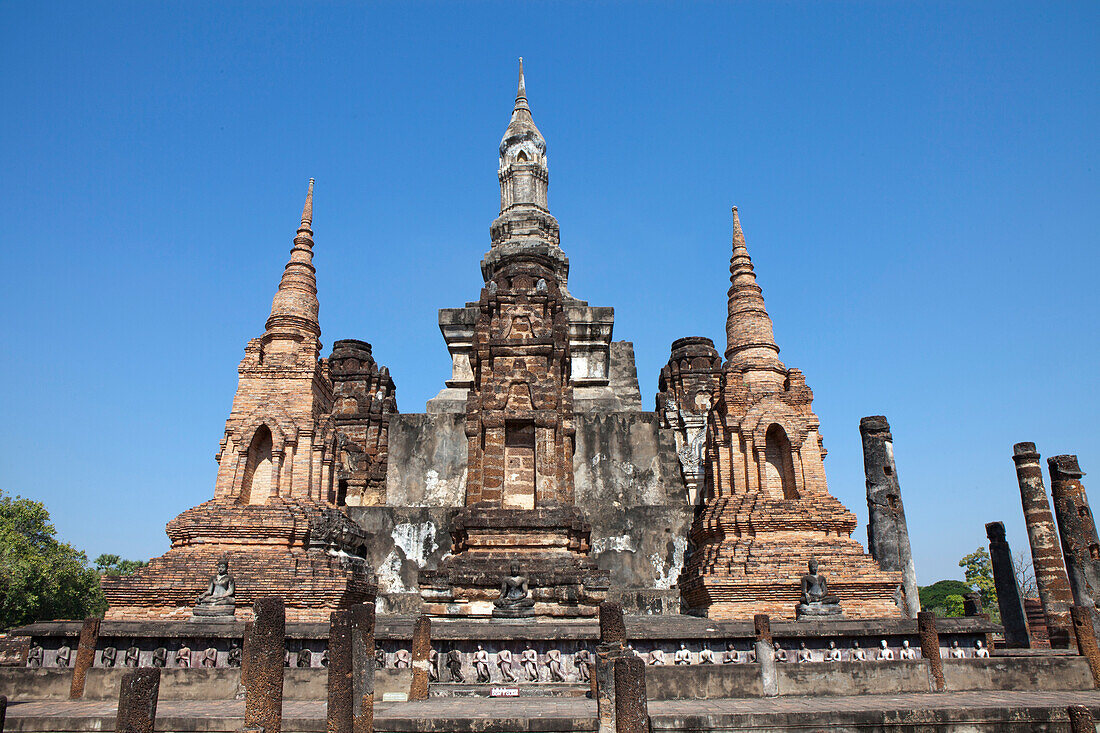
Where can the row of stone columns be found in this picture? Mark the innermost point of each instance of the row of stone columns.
(1067, 572)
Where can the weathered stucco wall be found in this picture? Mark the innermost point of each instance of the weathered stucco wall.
(627, 482)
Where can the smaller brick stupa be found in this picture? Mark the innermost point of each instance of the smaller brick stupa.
(274, 518)
(766, 509)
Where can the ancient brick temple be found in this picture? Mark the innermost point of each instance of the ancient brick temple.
(304, 436)
(536, 452)
(766, 507)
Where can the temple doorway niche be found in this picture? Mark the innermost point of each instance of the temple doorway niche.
(779, 466)
(256, 487)
(519, 465)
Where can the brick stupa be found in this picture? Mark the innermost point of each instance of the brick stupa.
(766, 508)
(284, 471)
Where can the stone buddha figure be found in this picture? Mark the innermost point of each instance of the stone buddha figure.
(515, 595)
(816, 599)
(219, 601)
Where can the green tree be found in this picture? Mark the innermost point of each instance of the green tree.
(40, 577)
(940, 597)
(979, 575)
(115, 565)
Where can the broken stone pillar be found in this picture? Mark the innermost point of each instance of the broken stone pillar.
(972, 606)
(339, 673)
(612, 647)
(1080, 719)
(421, 651)
(930, 648)
(85, 656)
(1086, 640)
(137, 701)
(765, 654)
(1080, 544)
(362, 662)
(3, 711)
(266, 650)
(887, 531)
(1046, 552)
(1009, 598)
(631, 706)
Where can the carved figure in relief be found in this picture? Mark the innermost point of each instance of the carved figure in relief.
(61, 659)
(683, 656)
(907, 651)
(34, 656)
(481, 665)
(858, 654)
(657, 658)
(885, 653)
(583, 661)
(433, 665)
(233, 658)
(132, 655)
(454, 666)
(706, 656)
(402, 659)
(160, 657)
(980, 651)
(804, 654)
(780, 653)
(209, 658)
(730, 656)
(183, 656)
(553, 664)
(108, 656)
(220, 596)
(504, 662)
(324, 658)
(832, 654)
(379, 659)
(529, 658)
(956, 652)
(305, 658)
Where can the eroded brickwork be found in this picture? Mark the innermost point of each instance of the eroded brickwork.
(766, 506)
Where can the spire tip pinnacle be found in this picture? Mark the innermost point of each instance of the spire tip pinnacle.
(307, 210)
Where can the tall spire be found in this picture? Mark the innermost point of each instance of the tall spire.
(294, 309)
(521, 92)
(750, 343)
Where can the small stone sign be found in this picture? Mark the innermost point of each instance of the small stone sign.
(504, 692)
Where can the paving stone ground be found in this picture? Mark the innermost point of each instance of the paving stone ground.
(534, 713)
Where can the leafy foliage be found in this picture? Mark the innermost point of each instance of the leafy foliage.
(115, 565)
(40, 577)
(944, 597)
(979, 575)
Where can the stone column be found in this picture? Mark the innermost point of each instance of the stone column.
(362, 663)
(930, 648)
(1046, 552)
(1080, 719)
(612, 647)
(3, 711)
(887, 531)
(765, 654)
(85, 656)
(1086, 640)
(421, 652)
(631, 706)
(339, 673)
(137, 701)
(1078, 531)
(266, 648)
(1009, 598)
(972, 606)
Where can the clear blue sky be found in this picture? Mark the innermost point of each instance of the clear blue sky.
(914, 180)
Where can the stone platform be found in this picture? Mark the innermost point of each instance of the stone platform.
(954, 712)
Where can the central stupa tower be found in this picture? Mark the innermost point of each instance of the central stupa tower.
(519, 498)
